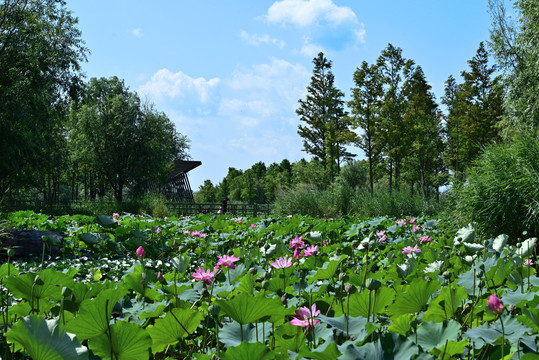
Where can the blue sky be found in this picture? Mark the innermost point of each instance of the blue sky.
(229, 74)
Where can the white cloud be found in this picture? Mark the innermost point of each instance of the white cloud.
(166, 84)
(311, 50)
(256, 40)
(308, 12)
(361, 33)
(137, 32)
(280, 81)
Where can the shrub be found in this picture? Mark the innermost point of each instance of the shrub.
(501, 193)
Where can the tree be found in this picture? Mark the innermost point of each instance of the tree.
(40, 54)
(365, 107)
(475, 107)
(426, 145)
(515, 45)
(207, 192)
(326, 127)
(393, 68)
(125, 143)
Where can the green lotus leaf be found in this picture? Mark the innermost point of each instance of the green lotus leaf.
(177, 324)
(249, 351)
(414, 298)
(89, 239)
(128, 341)
(432, 335)
(401, 324)
(105, 221)
(8, 268)
(359, 302)
(231, 333)
(51, 289)
(445, 305)
(328, 270)
(94, 315)
(355, 327)
(327, 350)
(498, 244)
(526, 247)
(45, 339)
(450, 349)
(488, 334)
(247, 309)
(466, 234)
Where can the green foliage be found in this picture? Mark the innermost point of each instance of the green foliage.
(343, 200)
(45, 339)
(41, 50)
(502, 192)
(325, 127)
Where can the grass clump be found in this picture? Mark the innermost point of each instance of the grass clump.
(501, 192)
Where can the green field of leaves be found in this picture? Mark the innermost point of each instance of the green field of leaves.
(215, 286)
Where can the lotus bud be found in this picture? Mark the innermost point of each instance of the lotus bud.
(446, 275)
(66, 291)
(253, 270)
(160, 276)
(38, 281)
(350, 289)
(343, 277)
(265, 284)
(10, 252)
(372, 284)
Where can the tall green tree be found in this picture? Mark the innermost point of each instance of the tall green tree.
(126, 144)
(426, 167)
(365, 107)
(515, 45)
(393, 69)
(40, 54)
(474, 109)
(326, 129)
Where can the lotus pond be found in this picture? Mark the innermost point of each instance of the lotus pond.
(214, 286)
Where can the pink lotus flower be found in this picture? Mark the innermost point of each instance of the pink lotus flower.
(411, 221)
(289, 216)
(253, 226)
(324, 243)
(528, 262)
(140, 252)
(282, 262)
(296, 243)
(381, 236)
(227, 261)
(297, 254)
(115, 216)
(311, 250)
(415, 228)
(203, 275)
(186, 232)
(409, 250)
(158, 231)
(305, 317)
(400, 222)
(165, 218)
(495, 304)
(424, 239)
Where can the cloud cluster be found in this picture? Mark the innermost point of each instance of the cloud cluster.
(166, 84)
(325, 24)
(257, 40)
(309, 12)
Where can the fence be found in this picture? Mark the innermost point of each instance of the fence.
(182, 208)
(236, 209)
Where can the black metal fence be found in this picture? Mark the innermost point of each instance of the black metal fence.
(182, 208)
(236, 209)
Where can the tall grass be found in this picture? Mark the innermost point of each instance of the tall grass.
(341, 199)
(501, 193)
